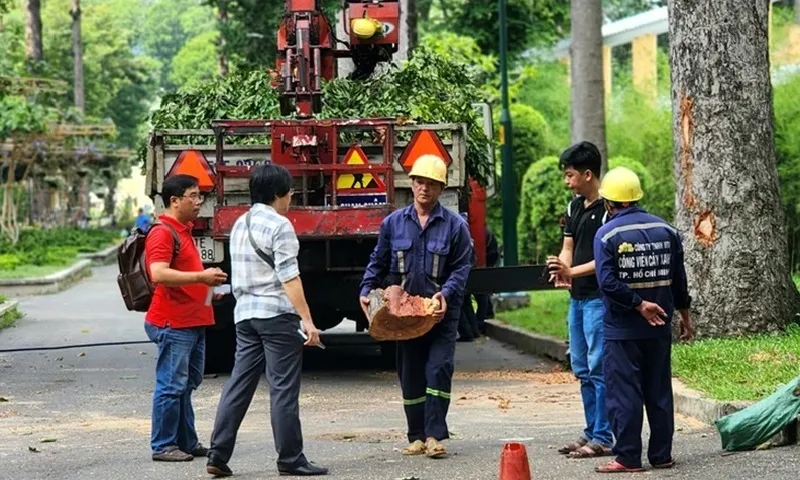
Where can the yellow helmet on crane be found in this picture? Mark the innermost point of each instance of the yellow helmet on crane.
(365, 28)
(430, 166)
(621, 185)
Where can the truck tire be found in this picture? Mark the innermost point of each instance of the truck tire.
(221, 340)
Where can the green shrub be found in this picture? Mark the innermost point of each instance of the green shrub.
(55, 246)
(544, 201)
(531, 140)
(9, 261)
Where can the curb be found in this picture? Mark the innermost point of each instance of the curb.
(542, 345)
(52, 283)
(688, 402)
(696, 405)
(102, 257)
(8, 305)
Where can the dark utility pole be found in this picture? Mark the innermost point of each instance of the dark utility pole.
(509, 202)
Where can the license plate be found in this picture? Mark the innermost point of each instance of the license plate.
(211, 251)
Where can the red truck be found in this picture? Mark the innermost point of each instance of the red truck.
(349, 173)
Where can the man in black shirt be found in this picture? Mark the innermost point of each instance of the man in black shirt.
(575, 267)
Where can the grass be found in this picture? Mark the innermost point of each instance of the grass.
(10, 317)
(25, 271)
(746, 368)
(547, 314)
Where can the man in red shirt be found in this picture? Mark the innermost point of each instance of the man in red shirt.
(176, 320)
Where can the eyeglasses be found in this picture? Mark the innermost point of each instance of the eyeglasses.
(195, 197)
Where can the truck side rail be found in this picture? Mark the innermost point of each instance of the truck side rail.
(164, 145)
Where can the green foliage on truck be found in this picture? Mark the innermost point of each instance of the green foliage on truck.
(429, 88)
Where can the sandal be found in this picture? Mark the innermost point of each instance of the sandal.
(434, 449)
(665, 465)
(591, 450)
(616, 467)
(415, 448)
(573, 446)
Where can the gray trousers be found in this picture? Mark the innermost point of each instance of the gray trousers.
(273, 346)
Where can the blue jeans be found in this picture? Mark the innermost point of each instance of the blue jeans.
(179, 371)
(586, 358)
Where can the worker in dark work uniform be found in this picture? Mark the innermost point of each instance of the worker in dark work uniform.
(425, 248)
(640, 270)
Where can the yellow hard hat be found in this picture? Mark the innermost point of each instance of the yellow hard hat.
(365, 28)
(430, 166)
(621, 185)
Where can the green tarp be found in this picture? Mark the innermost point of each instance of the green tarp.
(751, 427)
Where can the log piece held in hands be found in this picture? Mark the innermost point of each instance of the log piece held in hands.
(396, 315)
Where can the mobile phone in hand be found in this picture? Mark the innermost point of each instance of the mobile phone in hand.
(305, 337)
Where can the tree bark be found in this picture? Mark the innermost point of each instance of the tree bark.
(402, 44)
(395, 315)
(33, 31)
(728, 200)
(411, 26)
(587, 113)
(77, 56)
(222, 57)
(110, 203)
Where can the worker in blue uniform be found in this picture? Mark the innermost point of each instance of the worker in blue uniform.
(640, 270)
(425, 248)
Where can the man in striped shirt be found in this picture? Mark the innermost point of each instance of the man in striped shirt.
(270, 311)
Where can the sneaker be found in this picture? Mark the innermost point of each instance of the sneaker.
(173, 454)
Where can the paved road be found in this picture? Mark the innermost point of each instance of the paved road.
(95, 404)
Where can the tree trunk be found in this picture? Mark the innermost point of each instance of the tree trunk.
(411, 26)
(77, 56)
(588, 117)
(33, 31)
(395, 315)
(403, 45)
(222, 57)
(110, 204)
(728, 199)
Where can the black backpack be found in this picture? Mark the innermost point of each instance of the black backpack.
(133, 280)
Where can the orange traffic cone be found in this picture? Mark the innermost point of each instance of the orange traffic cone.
(514, 462)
